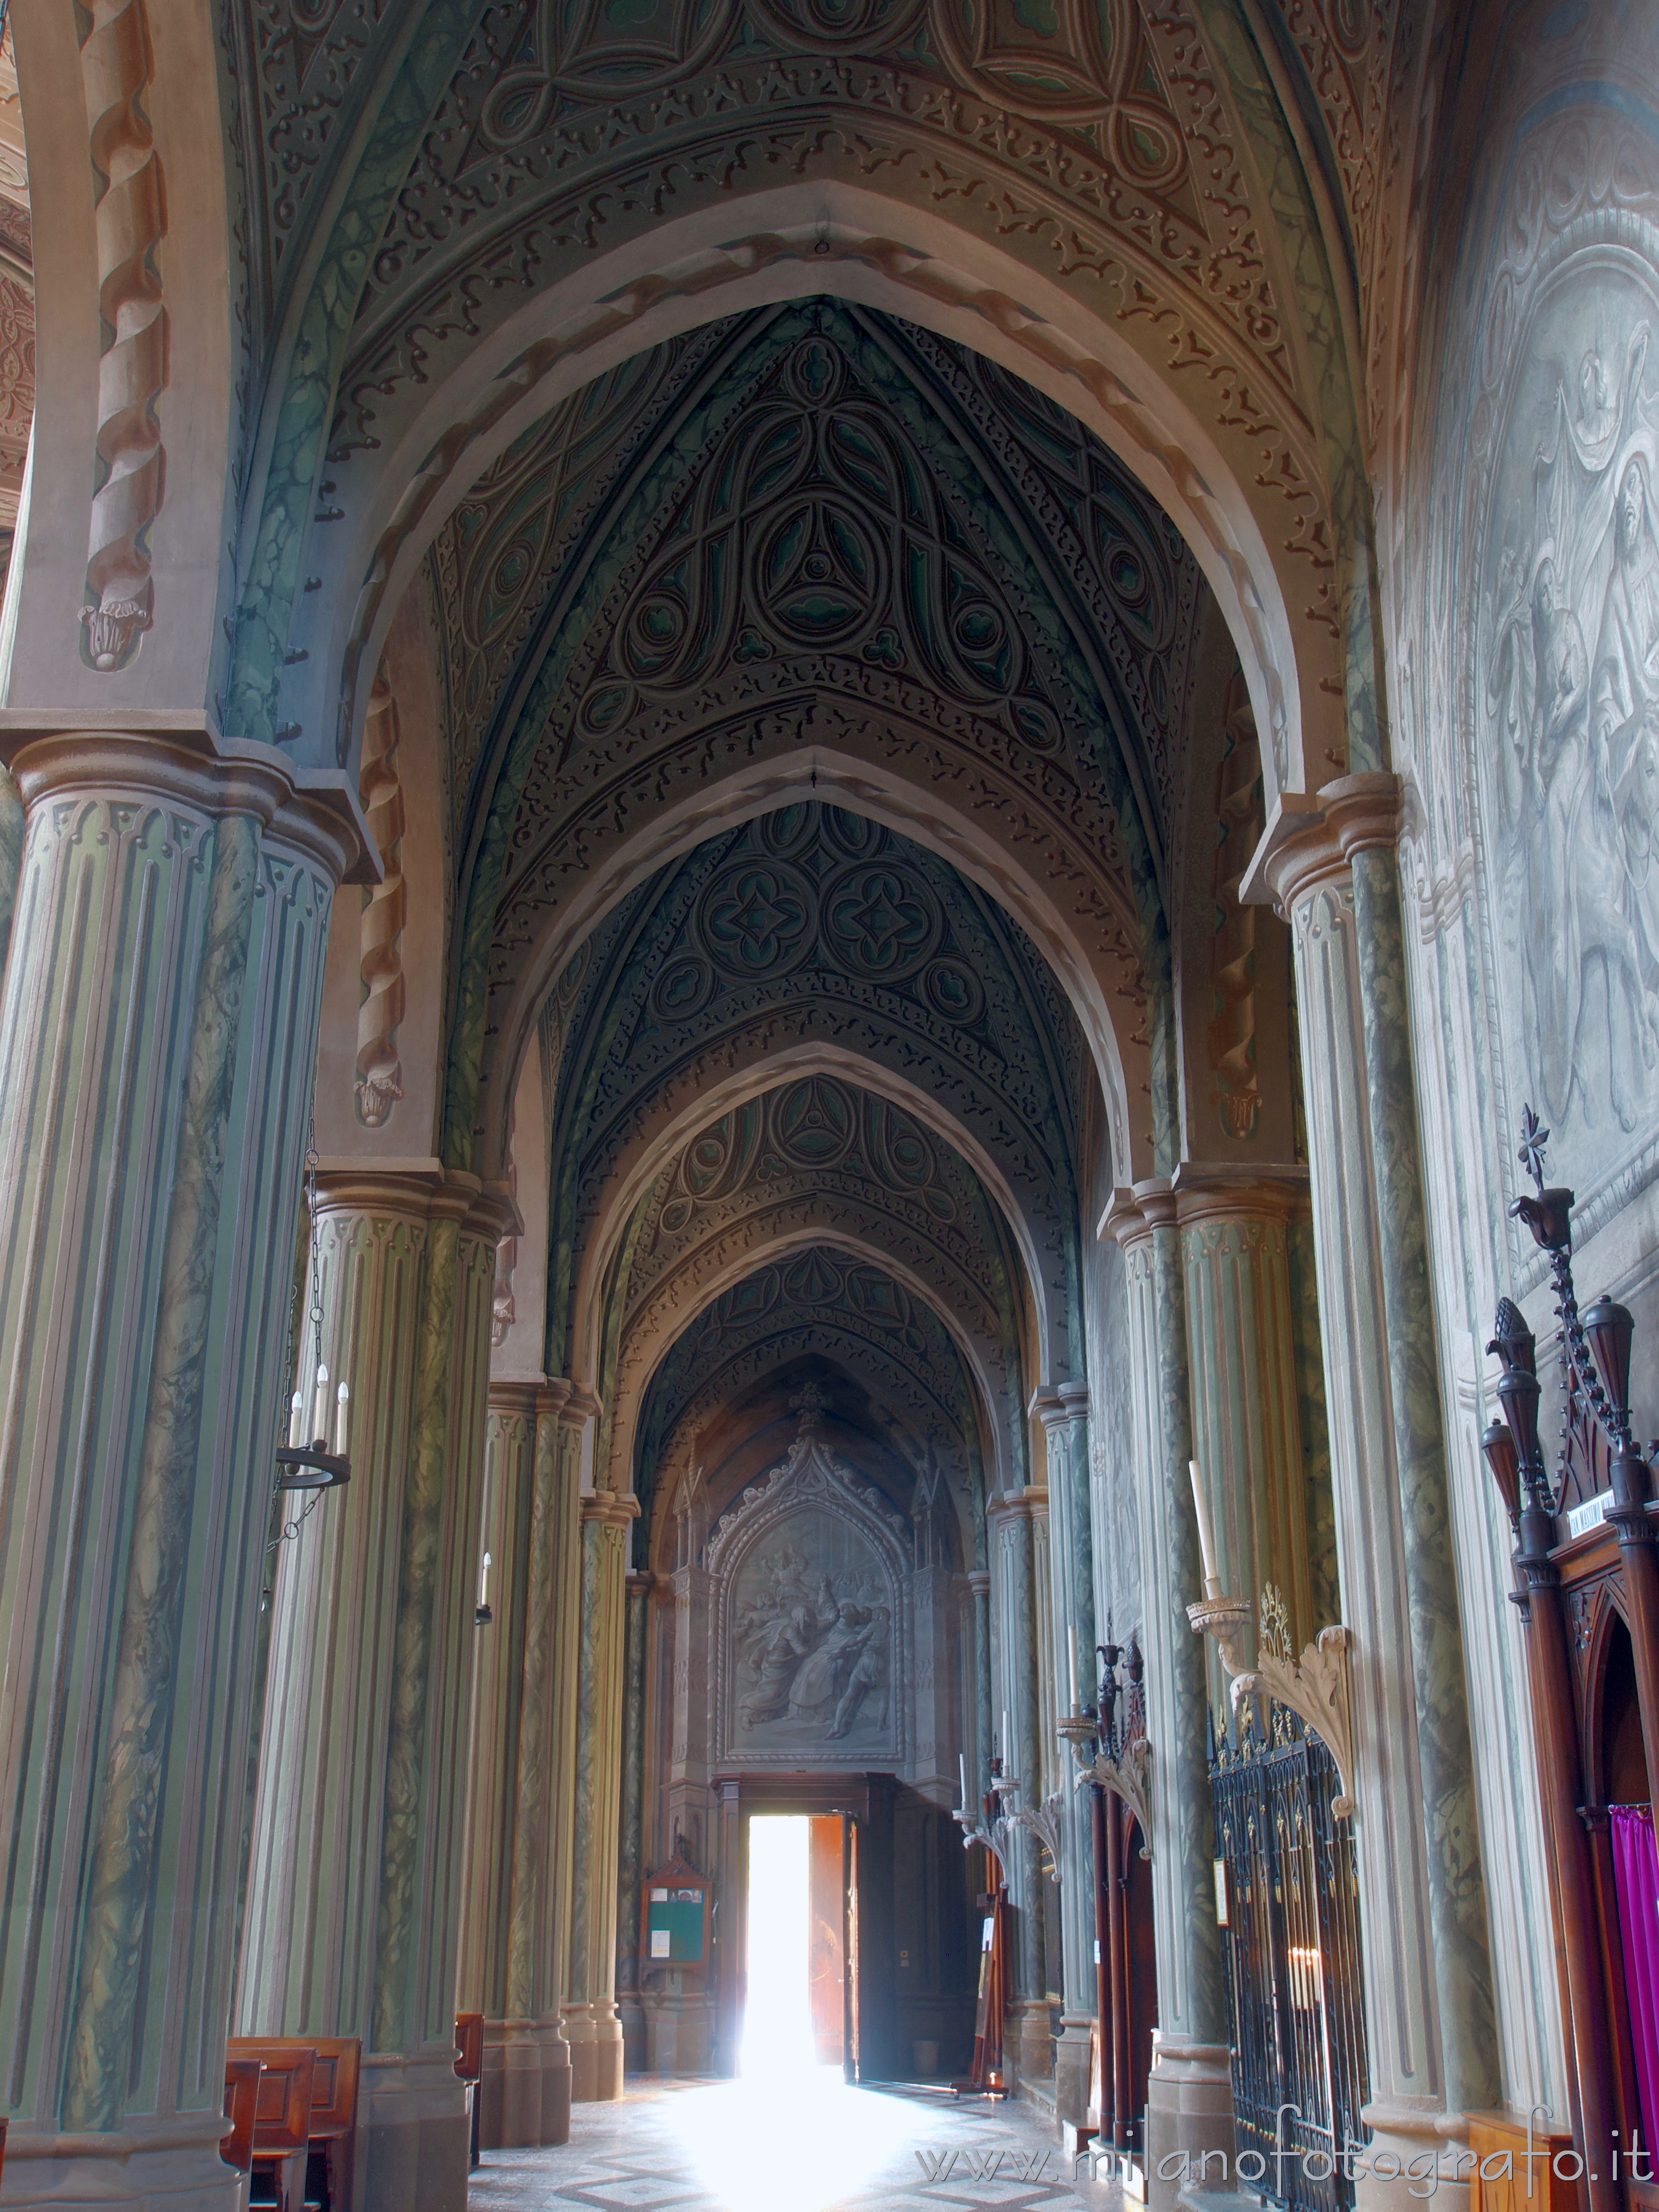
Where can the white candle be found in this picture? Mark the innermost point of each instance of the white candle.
(483, 1581)
(1004, 1736)
(1071, 1655)
(1206, 1540)
(296, 1418)
(342, 1399)
(319, 1434)
(961, 1768)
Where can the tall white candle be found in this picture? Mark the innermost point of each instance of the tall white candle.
(342, 1400)
(319, 1434)
(1071, 1654)
(961, 1768)
(1200, 1507)
(296, 1418)
(1004, 1736)
(483, 1581)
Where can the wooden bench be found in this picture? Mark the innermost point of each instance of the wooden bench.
(241, 2110)
(282, 2125)
(469, 2064)
(331, 2128)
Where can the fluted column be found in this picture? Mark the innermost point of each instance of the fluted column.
(158, 1026)
(1241, 1346)
(1016, 1698)
(630, 1866)
(509, 1945)
(1429, 2004)
(354, 1912)
(1063, 1409)
(979, 1746)
(1190, 2110)
(591, 2019)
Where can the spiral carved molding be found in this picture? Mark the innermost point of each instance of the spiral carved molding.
(116, 66)
(380, 1070)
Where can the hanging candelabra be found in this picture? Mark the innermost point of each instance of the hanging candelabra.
(316, 1461)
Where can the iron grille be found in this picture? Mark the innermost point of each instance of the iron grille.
(1295, 2016)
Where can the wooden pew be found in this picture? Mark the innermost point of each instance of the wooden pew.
(3, 2146)
(282, 2127)
(336, 2070)
(469, 2064)
(241, 2110)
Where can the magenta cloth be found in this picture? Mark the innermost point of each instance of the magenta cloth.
(1636, 1878)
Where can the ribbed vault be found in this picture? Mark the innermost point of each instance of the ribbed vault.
(824, 534)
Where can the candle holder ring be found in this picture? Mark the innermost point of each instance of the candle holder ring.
(311, 1466)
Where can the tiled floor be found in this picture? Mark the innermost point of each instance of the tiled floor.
(808, 2146)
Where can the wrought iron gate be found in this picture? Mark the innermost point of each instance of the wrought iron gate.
(1296, 2015)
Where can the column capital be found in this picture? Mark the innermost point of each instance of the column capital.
(416, 1189)
(181, 760)
(1055, 1403)
(519, 1399)
(1313, 839)
(1217, 1190)
(640, 1582)
(612, 1509)
(979, 1580)
(580, 1407)
(1028, 1504)
(1133, 1212)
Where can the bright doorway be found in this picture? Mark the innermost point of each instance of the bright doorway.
(800, 2007)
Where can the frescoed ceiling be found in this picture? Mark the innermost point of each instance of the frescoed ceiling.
(810, 523)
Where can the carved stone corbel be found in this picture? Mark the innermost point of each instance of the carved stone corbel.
(1129, 1778)
(1043, 1821)
(1314, 1687)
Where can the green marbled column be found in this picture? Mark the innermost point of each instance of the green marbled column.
(630, 1868)
(508, 1948)
(11, 856)
(1456, 1882)
(1242, 1358)
(1189, 2094)
(354, 1916)
(1352, 1038)
(592, 2023)
(1063, 1410)
(979, 1763)
(562, 1436)
(1016, 1695)
(157, 1035)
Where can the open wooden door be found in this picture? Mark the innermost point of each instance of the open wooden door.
(826, 1960)
(849, 1874)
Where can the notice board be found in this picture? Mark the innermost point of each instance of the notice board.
(674, 1916)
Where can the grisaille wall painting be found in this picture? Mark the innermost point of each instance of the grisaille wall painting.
(811, 1600)
(812, 1641)
(1568, 688)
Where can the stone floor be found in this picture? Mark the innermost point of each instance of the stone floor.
(809, 2144)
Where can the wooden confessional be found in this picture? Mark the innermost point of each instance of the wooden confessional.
(1587, 1588)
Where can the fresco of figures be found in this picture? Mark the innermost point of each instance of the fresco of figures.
(811, 1640)
(1570, 693)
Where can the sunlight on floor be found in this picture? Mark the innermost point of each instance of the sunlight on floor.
(798, 2138)
(790, 2132)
